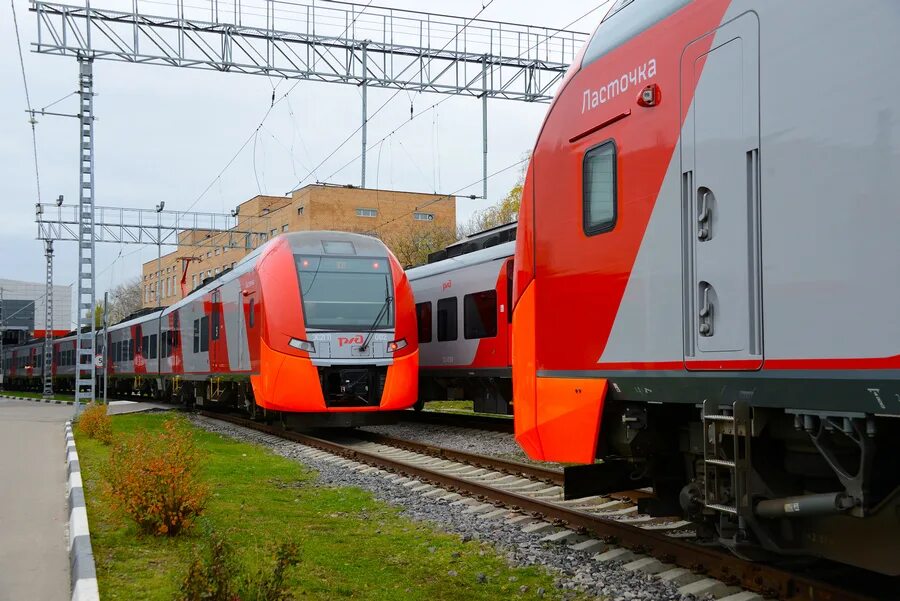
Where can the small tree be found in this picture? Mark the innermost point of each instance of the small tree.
(413, 244)
(505, 211)
(124, 299)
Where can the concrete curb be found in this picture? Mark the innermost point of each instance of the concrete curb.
(36, 400)
(81, 555)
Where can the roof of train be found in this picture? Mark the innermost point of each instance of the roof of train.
(492, 253)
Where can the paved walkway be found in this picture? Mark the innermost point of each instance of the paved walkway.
(34, 558)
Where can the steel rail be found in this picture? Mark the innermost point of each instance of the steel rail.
(494, 463)
(766, 580)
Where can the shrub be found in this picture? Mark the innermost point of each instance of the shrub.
(95, 423)
(153, 479)
(212, 575)
(269, 584)
(209, 577)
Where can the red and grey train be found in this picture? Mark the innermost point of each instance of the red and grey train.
(706, 287)
(318, 327)
(463, 297)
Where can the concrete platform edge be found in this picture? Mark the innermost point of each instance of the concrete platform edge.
(81, 555)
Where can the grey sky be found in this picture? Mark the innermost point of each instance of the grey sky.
(165, 133)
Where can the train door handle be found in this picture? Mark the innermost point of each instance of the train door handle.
(704, 214)
(707, 310)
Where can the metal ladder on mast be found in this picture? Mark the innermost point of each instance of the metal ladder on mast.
(726, 477)
(85, 373)
(48, 325)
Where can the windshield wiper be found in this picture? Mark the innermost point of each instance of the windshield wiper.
(381, 315)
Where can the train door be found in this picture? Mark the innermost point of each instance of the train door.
(721, 208)
(218, 348)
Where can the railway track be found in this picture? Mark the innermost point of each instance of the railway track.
(531, 496)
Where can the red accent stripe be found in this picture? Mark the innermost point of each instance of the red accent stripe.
(770, 364)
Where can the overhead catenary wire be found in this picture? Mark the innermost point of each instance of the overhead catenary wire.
(32, 120)
(453, 194)
(443, 100)
(394, 95)
(272, 103)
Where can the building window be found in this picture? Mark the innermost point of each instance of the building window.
(599, 194)
(366, 212)
(232, 265)
(284, 227)
(224, 249)
(262, 238)
(194, 281)
(217, 271)
(423, 216)
(217, 251)
(247, 244)
(209, 273)
(447, 320)
(273, 233)
(299, 210)
(208, 254)
(423, 318)
(480, 315)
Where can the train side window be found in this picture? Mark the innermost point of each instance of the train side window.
(480, 315)
(447, 320)
(131, 350)
(252, 311)
(204, 334)
(145, 342)
(599, 189)
(196, 336)
(153, 346)
(423, 317)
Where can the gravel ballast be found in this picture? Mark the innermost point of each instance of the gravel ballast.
(481, 442)
(575, 570)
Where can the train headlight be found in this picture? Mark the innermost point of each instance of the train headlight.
(396, 345)
(303, 345)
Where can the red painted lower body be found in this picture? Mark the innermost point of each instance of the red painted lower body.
(291, 384)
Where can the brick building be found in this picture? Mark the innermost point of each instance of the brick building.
(395, 217)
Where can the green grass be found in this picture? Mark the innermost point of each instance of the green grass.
(37, 395)
(458, 407)
(353, 546)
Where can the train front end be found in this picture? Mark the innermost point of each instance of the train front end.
(341, 350)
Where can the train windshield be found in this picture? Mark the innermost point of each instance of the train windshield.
(349, 293)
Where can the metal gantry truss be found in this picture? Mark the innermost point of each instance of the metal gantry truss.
(337, 42)
(323, 41)
(119, 225)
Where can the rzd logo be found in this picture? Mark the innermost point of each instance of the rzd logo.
(342, 340)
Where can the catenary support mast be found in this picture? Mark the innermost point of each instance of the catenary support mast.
(85, 372)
